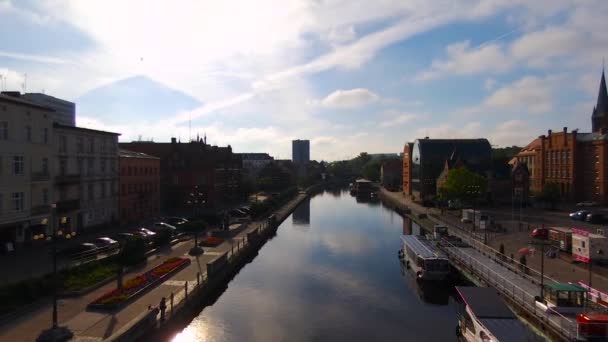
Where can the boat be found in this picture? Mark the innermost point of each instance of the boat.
(484, 317)
(423, 258)
(562, 298)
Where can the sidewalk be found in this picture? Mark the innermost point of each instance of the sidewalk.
(558, 268)
(95, 326)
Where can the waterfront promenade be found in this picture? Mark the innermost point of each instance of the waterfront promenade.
(96, 326)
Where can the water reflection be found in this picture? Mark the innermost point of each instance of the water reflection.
(339, 281)
(301, 215)
(436, 293)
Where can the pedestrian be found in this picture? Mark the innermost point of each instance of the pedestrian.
(162, 306)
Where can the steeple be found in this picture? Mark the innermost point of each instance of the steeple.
(599, 118)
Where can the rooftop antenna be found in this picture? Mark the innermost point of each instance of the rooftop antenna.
(189, 126)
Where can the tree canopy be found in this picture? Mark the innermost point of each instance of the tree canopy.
(464, 185)
(550, 194)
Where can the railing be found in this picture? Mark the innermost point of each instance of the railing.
(67, 179)
(40, 209)
(563, 325)
(40, 176)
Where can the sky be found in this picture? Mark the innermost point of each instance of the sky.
(349, 75)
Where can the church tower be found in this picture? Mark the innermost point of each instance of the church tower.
(599, 118)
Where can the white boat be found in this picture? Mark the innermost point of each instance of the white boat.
(426, 261)
(486, 318)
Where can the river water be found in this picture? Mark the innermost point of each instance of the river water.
(330, 274)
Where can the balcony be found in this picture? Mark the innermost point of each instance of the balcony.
(68, 205)
(40, 177)
(40, 210)
(67, 179)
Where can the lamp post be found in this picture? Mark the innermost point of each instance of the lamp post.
(55, 333)
(599, 252)
(542, 244)
(195, 199)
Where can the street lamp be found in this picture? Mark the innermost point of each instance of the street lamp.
(195, 198)
(542, 244)
(55, 333)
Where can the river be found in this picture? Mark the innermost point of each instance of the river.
(330, 274)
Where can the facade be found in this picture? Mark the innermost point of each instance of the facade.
(139, 186)
(26, 164)
(86, 177)
(391, 174)
(252, 163)
(426, 160)
(64, 111)
(300, 151)
(576, 162)
(214, 171)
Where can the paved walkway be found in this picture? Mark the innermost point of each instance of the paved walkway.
(95, 326)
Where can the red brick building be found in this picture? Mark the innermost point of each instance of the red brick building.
(139, 186)
(576, 162)
(214, 171)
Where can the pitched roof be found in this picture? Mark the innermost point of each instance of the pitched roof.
(601, 108)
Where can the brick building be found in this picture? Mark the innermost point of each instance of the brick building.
(139, 186)
(216, 171)
(391, 174)
(576, 162)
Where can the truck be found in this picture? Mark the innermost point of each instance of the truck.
(589, 247)
(561, 237)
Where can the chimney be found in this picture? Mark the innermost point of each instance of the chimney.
(565, 136)
(549, 133)
(173, 140)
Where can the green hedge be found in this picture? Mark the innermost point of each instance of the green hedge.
(273, 202)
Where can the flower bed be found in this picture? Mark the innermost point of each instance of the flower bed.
(211, 241)
(139, 284)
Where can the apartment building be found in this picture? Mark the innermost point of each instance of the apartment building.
(26, 160)
(86, 177)
(139, 186)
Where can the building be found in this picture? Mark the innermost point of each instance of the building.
(139, 182)
(64, 111)
(26, 163)
(391, 174)
(577, 162)
(424, 161)
(252, 163)
(300, 151)
(214, 171)
(86, 177)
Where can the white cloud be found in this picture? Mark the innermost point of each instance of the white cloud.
(352, 98)
(446, 130)
(397, 121)
(34, 58)
(462, 59)
(537, 48)
(341, 35)
(489, 84)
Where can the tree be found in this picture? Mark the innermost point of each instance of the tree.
(194, 227)
(371, 170)
(464, 185)
(550, 194)
(131, 252)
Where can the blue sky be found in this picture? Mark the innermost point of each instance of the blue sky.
(351, 76)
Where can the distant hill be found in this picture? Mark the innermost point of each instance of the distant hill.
(505, 153)
(134, 98)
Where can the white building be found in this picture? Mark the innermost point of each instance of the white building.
(65, 111)
(253, 163)
(26, 161)
(86, 182)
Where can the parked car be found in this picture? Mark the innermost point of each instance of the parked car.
(175, 221)
(586, 204)
(106, 244)
(580, 215)
(83, 250)
(246, 210)
(162, 225)
(237, 213)
(123, 237)
(540, 233)
(595, 218)
(145, 233)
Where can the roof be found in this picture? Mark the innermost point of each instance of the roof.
(566, 287)
(485, 302)
(507, 329)
(20, 101)
(421, 248)
(601, 108)
(82, 129)
(132, 154)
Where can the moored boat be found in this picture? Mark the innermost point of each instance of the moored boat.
(424, 259)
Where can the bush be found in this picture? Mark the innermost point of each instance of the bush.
(162, 237)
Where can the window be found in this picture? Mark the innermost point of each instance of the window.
(91, 145)
(45, 166)
(79, 145)
(102, 165)
(103, 190)
(91, 166)
(113, 165)
(3, 130)
(80, 163)
(18, 165)
(1, 202)
(91, 192)
(63, 166)
(17, 199)
(45, 135)
(63, 143)
(28, 133)
(103, 146)
(45, 196)
(124, 189)
(583, 244)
